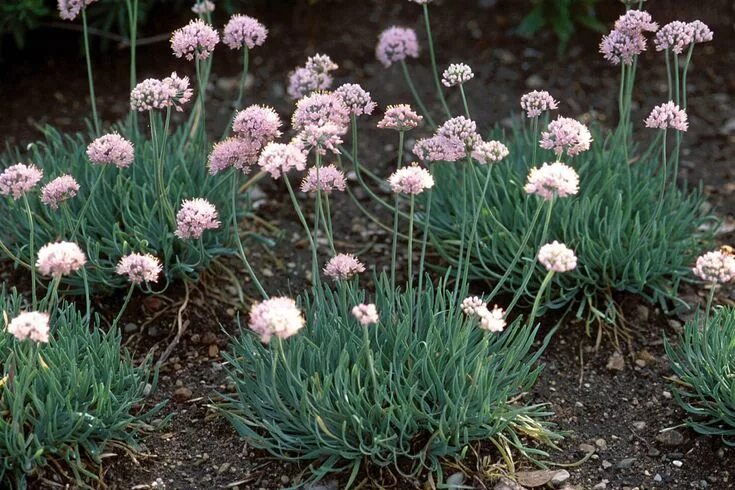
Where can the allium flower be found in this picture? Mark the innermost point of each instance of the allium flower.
(439, 149)
(59, 190)
(60, 259)
(396, 44)
(139, 268)
(320, 63)
(411, 180)
(276, 316)
(153, 94)
(457, 74)
(715, 267)
(195, 216)
(356, 98)
(111, 149)
(472, 305)
(566, 133)
(552, 179)
(329, 179)
(557, 257)
(622, 46)
(462, 129)
(492, 320)
(180, 91)
(400, 118)
(675, 36)
(69, 9)
(195, 40)
(319, 109)
(31, 325)
(242, 30)
(314, 76)
(489, 152)
(538, 101)
(278, 158)
(320, 138)
(701, 32)
(668, 115)
(259, 124)
(202, 7)
(366, 314)
(233, 152)
(18, 179)
(635, 21)
(342, 267)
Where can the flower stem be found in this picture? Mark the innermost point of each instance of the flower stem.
(473, 234)
(416, 97)
(462, 232)
(394, 247)
(31, 248)
(236, 231)
(90, 78)
(80, 217)
(302, 219)
(132, 6)
(124, 306)
(241, 89)
(539, 294)
(432, 55)
(710, 297)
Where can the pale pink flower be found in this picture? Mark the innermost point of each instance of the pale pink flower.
(342, 267)
(411, 180)
(701, 32)
(552, 180)
(139, 268)
(18, 179)
(180, 91)
(565, 133)
(202, 7)
(60, 259)
(195, 40)
(319, 109)
(59, 190)
(242, 30)
(396, 44)
(194, 217)
(486, 152)
(668, 115)
(233, 152)
(276, 316)
(492, 320)
(457, 74)
(675, 36)
(111, 149)
(153, 94)
(557, 257)
(320, 138)
(356, 99)
(366, 314)
(715, 267)
(472, 305)
(537, 102)
(636, 21)
(32, 325)
(622, 46)
(400, 118)
(320, 63)
(70, 9)
(461, 128)
(439, 149)
(279, 158)
(326, 179)
(311, 77)
(259, 124)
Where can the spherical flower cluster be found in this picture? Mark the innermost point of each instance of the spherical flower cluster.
(153, 94)
(537, 102)
(30, 325)
(259, 124)
(326, 179)
(320, 138)
(461, 128)
(557, 257)
(366, 314)
(69, 9)
(242, 30)
(356, 99)
(439, 149)
(636, 21)
(668, 115)
(276, 316)
(715, 267)
(396, 44)
(60, 259)
(486, 152)
(139, 268)
(320, 63)
(675, 36)
(180, 91)
(342, 267)
(195, 40)
(492, 320)
(311, 77)
(203, 7)
(194, 217)
(319, 109)
(59, 190)
(552, 179)
(622, 46)
(279, 158)
(239, 153)
(111, 149)
(18, 179)
(411, 180)
(701, 32)
(457, 74)
(472, 305)
(400, 118)
(565, 133)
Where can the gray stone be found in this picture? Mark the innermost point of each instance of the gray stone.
(625, 464)
(559, 477)
(508, 484)
(671, 438)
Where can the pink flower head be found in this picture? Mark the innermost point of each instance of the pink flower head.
(439, 149)
(314, 76)
(320, 138)
(326, 179)
(59, 190)
(356, 99)
(195, 40)
(701, 32)
(276, 316)
(461, 128)
(195, 216)
(202, 7)
(411, 180)
(279, 158)
(259, 124)
(667, 115)
(139, 268)
(473, 305)
(18, 179)
(366, 314)
(30, 325)
(180, 92)
(536, 102)
(557, 257)
(319, 109)
(552, 179)
(111, 149)
(489, 152)
(400, 118)
(152, 94)
(635, 21)
(69, 9)
(565, 133)
(675, 36)
(457, 74)
(60, 259)
(396, 44)
(233, 152)
(321, 64)
(622, 46)
(715, 267)
(342, 267)
(242, 30)
(492, 320)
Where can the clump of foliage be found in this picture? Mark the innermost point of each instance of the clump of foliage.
(563, 17)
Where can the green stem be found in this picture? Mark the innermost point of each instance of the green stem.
(537, 301)
(710, 298)
(464, 101)
(90, 78)
(241, 88)
(87, 296)
(534, 141)
(31, 249)
(427, 220)
(132, 7)
(412, 201)
(684, 77)
(124, 306)
(236, 231)
(394, 246)
(416, 97)
(371, 364)
(668, 73)
(80, 217)
(462, 232)
(676, 79)
(473, 234)
(432, 55)
(302, 219)
(12, 256)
